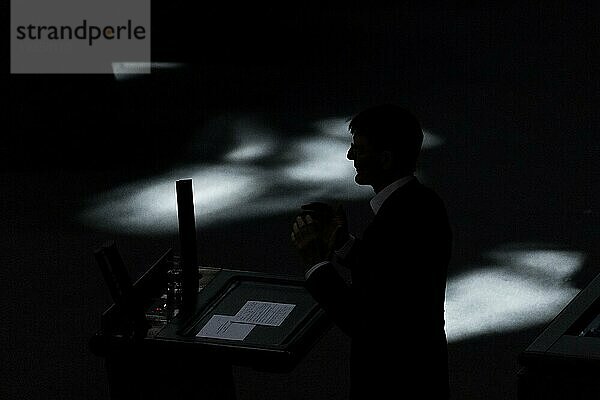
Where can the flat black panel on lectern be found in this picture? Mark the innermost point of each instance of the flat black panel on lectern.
(243, 289)
(563, 362)
(172, 339)
(276, 348)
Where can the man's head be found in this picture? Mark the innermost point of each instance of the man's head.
(386, 141)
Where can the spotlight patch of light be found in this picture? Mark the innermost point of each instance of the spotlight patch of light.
(150, 206)
(129, 70)
(322, 159)
(522, 288)
(319, 160)
(251, 145)
(544, 263)
(264, 174)
(248, 152)
(336, 127)
(431, 140)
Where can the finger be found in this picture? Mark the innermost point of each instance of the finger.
(316, 208)
(332, 238)
(315, 205)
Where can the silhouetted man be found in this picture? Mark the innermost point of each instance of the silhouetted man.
(393, 309)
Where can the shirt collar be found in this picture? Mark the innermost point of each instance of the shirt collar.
(379, 198)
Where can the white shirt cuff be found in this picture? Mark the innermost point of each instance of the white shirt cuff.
(343, 251)
(314, 268)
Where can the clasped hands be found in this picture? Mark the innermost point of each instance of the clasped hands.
(319, 230)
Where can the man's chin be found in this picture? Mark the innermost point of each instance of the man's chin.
(360, 179)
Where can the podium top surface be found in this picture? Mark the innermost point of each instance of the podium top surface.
(244, 317)
(568, 338)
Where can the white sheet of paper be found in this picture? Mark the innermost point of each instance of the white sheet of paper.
(223, 327)
(263, 313)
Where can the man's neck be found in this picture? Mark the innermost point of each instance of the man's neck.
(388, 180)
(380, 197)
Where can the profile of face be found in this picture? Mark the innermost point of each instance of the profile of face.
(366, 161)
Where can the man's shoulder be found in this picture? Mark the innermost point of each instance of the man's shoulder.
(413, 194)
(418, 205)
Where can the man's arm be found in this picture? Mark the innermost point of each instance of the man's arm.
(322, 280)
(333, 294)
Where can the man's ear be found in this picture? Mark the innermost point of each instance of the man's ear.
(386, 159)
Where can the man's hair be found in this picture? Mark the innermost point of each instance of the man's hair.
(392, 128)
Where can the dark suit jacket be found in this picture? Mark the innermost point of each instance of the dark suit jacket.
(394, 308)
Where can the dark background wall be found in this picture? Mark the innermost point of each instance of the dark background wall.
(511, 88)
